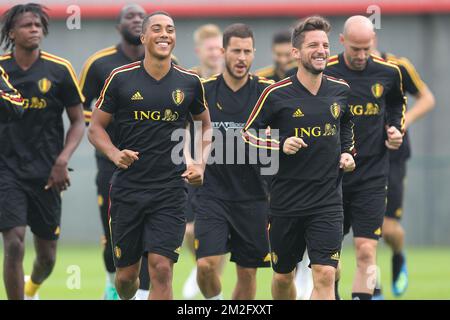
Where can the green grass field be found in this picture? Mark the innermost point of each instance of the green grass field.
(428, 268)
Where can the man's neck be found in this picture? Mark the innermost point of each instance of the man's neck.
(234, 83)
(25, 58)
(280, 73)
(157, 68)
(206, 72)
(347, 63)
(309, 80)
(132, 52)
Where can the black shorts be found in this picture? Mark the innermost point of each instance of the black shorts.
(25, 203)
(238, 227)
(190, 207)
(364, 212)
(396, 188)
(289, 237)
(146, 221)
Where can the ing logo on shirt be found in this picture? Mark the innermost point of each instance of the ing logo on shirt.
(167, 116)
(34, 103)
(178, 96)
(315, 132)
(44, 85)
(370, 109)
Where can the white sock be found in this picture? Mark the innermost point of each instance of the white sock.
(190, 287)
(142, 294)
(132, 298)
(218, 297)
(111, 278)
(303, 279)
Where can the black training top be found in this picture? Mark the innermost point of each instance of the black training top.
(376, 100)
(146, 113)
(307, 182)
(31, 145)
(227, 178)
(11, 102)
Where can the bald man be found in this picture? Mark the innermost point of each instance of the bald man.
(377, 104)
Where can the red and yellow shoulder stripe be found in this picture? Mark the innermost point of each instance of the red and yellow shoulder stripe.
(87, 65)
(6, 56)
(263, 97)
(183, 70)
(58, 60)
(336, 80)
(116, 71)
(14, 96)
(264, 80)
(380, 60)
(247, 135)
(210, 79)
(333, 60)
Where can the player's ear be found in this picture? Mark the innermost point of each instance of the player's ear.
(295, 53)
(11, 34)
(222, 50)
(341, 38)
(142, 36)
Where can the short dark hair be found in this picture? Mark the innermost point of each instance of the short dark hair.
(9, 18)
(238, 30)
(125, 9)
(148, 17)
(283, 36)
(309, 24)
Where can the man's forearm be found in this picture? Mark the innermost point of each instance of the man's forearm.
(424, 104)
(73, 138)
(100, 139)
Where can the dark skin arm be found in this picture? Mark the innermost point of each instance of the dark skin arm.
(59, 175)
(100, 139)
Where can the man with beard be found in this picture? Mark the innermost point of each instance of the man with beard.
(149, 100)
(34, 155)
(310, 111)
(232, 207)
(284, 65)
(11, 102)
(95, 71)
(378, 106)
(283, 62)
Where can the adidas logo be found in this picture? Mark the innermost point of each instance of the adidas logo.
(335, 256)
(378, 232)
(137, 96)
(298, 113)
